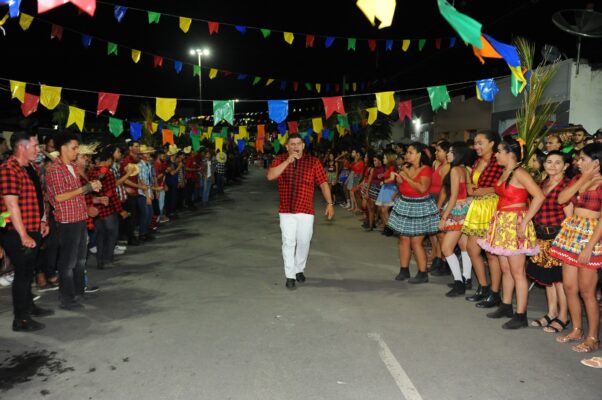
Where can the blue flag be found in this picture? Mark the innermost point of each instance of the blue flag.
(135, 130)
(278, 110)
(86, 40)
(119, 13)
(177, 65)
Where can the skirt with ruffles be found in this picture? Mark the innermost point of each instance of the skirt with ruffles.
(331, 178)
(414, 216)
(455, 219)
(502, 237)
(385, 196)
(479, 215)
(571, 240)
(373, 192)
(543, 268)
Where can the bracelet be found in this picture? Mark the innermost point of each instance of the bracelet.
(330, 204)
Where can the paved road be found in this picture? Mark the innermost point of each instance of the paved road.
(203, 314)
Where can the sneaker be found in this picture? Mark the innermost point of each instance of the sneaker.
(4, 282)
(36, 297)
(10, 277)
(118, 252)
(91, 289)
(120, 247)
(93, 250)
(48, 287)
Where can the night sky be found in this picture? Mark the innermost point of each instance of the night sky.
(32, 57)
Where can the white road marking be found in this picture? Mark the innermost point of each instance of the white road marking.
(402, 379)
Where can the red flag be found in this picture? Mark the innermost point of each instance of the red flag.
(56, 32)
(213, 27)
(226, 72)
(405, 109)
(107, 101)
(309, 40)
(88, 6)
(332, 104)
(372, 44)
(292, 127)
(158, 60)
(337, 87)
(295, 86)
(438, 43)
(30, 104)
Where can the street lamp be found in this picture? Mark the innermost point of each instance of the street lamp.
(199, 53)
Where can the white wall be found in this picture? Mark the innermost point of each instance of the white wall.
(461, 115)
(586, 98)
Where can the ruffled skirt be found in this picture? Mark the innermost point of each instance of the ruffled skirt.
(413, 216)
(571, 240)
(455, 220)
(479, 215)
(502, 236)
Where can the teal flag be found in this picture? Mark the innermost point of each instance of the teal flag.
(196, 142)
(439, 97)
(468, 29)
(343, 121)
(223, 109)
(115, 126)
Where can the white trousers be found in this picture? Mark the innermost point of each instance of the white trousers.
(297, 230)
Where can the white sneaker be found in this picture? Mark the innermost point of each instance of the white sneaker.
(93, 250)
(120, 247)
(10, 277)
(118, 252)
(4, 282)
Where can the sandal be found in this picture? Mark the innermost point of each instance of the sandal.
(585, 347)
(594, 362)
(538, 322)
(568, 338)
(552, 329)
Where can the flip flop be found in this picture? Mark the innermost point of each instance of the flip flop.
(594, 362)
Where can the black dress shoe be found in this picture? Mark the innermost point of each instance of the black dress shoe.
(479, 295)
(493, 300)
(290, 284)
(300, 277)
(27, 325)
(404, 273)
(41, 312)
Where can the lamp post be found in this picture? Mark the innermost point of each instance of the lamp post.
(199, 53)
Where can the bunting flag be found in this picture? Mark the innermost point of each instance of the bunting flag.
(256, 80)
(452, 41)
(13, 11)
(213, 27)
(282, 139)
(196, 143)
(111, 48)
(510, 54)
(293, 127)
(389, 45)
(185, 24)
(212, 73)
(25, 21)
(86, 41)
(468, 29)
(119, 13)
(266, 33)
(329, 41)
(30, 104)
(167, 137)
(289, 37)
(56, 31)
(326, 134)
(372, 45)
(439, 97)
(421, 44)
(278, 110)
(223, 110)
(282, 128)
(260, 131)
(332, 104)
(196, 70)
(242, 29)
(372, 113)
(343, 121)
(107, 101)
(309, 41)
(135, 56)
(76, 116)
(115, 126)
(385, 102)
(405, 45)
(17, 90)
(165, 108)
(177, 65)
(87, 6)
(152, 127)
(317, 125)
(50, 96)
(158, 61)
(486, 89)
(135, 130)
(269, 81)
(405, 110)
(276, 145)
(219, 144)
(241, 145)
(259, 145)
(153, 17)
(351, 43)
(318, 87)
(381, 9)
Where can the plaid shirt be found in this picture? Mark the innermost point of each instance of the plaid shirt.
(192, 162)
(296, 184)
(115, 168)
(551, 213)
(130, 191)
(60, 180)
(220, 168)
(109, 190)
(15, 181)
(590, 199)
(490, 175)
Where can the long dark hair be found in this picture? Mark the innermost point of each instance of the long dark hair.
(513, 146)
(463, 155)
(492, 137)
(594, 151)
(421, 148)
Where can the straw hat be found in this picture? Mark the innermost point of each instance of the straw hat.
(53, 155)
(88, 149)
(133, 168)
(173, 149)
(187, 149)
(221, 157)
(144, 149)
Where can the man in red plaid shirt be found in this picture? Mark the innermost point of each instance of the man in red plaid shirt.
(23, 197)
(297, 175)
(66, 195)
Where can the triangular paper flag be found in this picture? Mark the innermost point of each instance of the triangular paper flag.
(185, 24)
(50, 96)
(332, 104)
(213, 27)
(223, 110)
(372, 113)
(165, 108)
(289, 37)
(115, 126)
(219, 144)
(405, 109)
(385, 102)
(266, 33)
(212, 73)
(153, 17)
(317, 124)
(136, 55)
(107, 101)
(135, 130)
(167, 137)
(17, 90)
(278, 110)
(439, 97)
(25, 21)
(381, 9)
(30, 104)
(87, 6)
(111, 48)
(76, 116)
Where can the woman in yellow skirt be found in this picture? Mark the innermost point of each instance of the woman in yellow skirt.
(485, 173)
(511, 235)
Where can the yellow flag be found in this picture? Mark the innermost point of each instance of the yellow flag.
(289, 37)
(242, 131)
(50, 96)
(182, 130)
(341, 130)
(136, 55)
(385, 102)
(17, 89)
(219, 143)
(381, 9)
(354, 86)
(269, 81)
(154, 127)
(76, 116)
(25, 21)
(317, 124)
(185, 24)
(165, 108)
(405, 45)
(372, 112)
(478, 93)
(318, 87)
(209, 132)
(212, 73)
(4, 19)
(283, 138)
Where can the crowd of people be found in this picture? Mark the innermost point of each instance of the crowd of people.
(490, 213)
(73, 206)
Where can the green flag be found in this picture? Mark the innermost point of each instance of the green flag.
(115, 126)
(223, 109)
(256, 80)
(196, 142)
(266, 33)
(111, 48)
(303, 134)
(153, 17)
(224, 133)
(276, 144)
(468, 29)
(421, 44)
(175, 130)
(351, 44)
(308, 86)
(343, 121)
(515, 85)
(439, 97)
(196, 70)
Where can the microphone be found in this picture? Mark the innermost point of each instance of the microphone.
(295, 163)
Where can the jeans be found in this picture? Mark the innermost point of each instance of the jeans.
(146, 214)
(24, 261)
(131, 206)
(206, 189)
(219, 181)
(107, 230)
(171, 199)
(162, 203)
(190, 187)
(73, 240)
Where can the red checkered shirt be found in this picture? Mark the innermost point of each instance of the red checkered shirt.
(491, 174)
(551, 213)
(192, 163)
(15, 181)
(296, 184)
(590, 199)
(58, 181)
(108, 189)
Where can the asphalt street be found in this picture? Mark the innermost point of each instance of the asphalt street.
(202, 313)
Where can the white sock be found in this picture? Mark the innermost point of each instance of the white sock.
(454, 265)
(466, 265)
